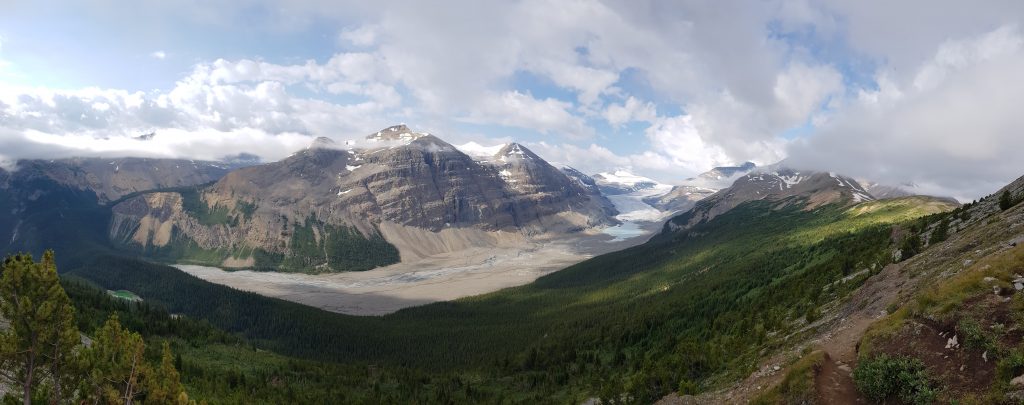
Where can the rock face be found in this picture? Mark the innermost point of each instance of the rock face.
(62, 204)
(773, 184)
(111, 179)
(266, 215)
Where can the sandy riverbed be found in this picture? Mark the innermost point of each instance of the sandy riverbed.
(443, 277)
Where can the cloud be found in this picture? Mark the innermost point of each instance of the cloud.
(589, 159)
(952, 127)
(868, 87)
(363, 36)
(161, 55)
(631, 110)
(681, 145)
(547, 116)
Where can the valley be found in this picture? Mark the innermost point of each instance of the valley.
(585, 202)
(461, 269)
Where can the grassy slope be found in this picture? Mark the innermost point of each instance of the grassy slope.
(647, 320)
(957, 278)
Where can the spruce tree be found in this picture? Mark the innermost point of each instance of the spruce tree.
(42, 340)
(940, 233)
(1005, 200)
(163, 384)
(116, 365)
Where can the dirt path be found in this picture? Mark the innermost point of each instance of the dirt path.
(838, 335)
(834, 383)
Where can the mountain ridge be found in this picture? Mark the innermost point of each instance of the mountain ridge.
(403, 178)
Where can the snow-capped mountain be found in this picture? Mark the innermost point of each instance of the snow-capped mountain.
(395, 185)
(775, 183)
(684, 196)
(624, 182)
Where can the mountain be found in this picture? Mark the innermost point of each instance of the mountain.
(59, 204)
(683, 197)
(111, 179)
(776, 183)
(328, 208)
(582, 179)
(624, 182)
(725, 172)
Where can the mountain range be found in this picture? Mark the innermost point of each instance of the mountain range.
(783, 285)
(335, 207)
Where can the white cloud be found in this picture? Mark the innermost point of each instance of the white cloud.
(679, 141)
(589, 159)
(515, 109)
(868, 84)
(362, 36)
(956, 131)
(632, 110)
(161, 55)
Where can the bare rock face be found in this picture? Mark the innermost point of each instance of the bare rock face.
(774, 184)
(111, 179)
(401, 178)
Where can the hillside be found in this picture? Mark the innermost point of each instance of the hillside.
(945, 312)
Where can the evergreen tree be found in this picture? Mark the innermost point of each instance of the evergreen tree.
(163, 384)
(940, 233)
(41, 341)
(116, 365)
(1007, 200)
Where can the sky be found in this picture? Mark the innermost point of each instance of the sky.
(922, 92)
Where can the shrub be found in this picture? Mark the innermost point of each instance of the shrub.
(974, 335)
(1010, 365)
(882, 377)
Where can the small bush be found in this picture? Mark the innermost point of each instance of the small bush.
(882, 377)
(1010, 366)
(974, 336)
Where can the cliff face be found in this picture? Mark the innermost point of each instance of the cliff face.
(399, 178)
(111, 179)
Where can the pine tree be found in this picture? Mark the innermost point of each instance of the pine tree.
(41, 341)
(941, 232)
(116, 365)
(1005, 200)
(163, 384)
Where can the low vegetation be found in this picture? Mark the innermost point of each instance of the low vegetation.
(883, 377)
(797, 387)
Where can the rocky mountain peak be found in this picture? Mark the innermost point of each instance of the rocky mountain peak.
(515, 152)
(322, 142)
(395, 133)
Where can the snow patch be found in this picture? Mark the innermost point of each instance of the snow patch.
(480, 151)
